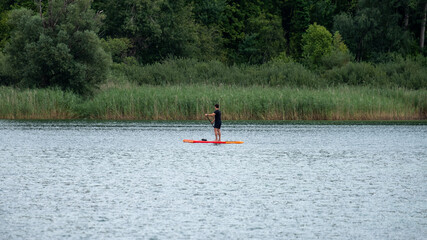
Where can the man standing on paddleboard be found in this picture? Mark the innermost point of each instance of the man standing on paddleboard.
(217, 125)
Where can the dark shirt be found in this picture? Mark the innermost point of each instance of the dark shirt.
(217, 117)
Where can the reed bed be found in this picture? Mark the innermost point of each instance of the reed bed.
(37, 104)
(175, 102)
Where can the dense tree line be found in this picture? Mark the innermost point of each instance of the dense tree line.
(254, 31)
(67, 43)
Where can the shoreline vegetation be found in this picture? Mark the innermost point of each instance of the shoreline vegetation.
(186, 89)
(178, 102)
(288, 60)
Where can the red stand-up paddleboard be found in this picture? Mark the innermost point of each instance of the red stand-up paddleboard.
(217, 142)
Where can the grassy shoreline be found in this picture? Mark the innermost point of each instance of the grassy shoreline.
(175, 102)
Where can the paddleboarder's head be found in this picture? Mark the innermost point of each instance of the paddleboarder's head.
(217, 105)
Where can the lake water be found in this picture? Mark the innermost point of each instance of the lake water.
(138, 180)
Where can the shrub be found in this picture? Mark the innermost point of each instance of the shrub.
(408, 73)
(6, 76)
(190, 71)
(356, 74)
(118, 48)
(61, 50)
(290, 74)
(335, 59)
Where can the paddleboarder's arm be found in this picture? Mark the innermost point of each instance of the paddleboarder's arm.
(212, 114)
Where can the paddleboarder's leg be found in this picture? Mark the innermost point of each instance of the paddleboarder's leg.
(217, 130)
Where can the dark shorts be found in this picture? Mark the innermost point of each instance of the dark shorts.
(217, 125)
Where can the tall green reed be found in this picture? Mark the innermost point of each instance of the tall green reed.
(258, 103)
(177, 102)
(37, 104)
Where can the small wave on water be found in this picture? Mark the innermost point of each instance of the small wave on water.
(137, 180)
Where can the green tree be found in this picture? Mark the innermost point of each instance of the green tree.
(179, 31)
(252, 31)
(321, 49)
(317, 42)
(423, 25)
(345, 6)
(322, 12)
(232, 28)
(209, 12)
(380, 27)
(295, 21)
(118, 48)
(264, 39)
(358, 32)
(4, 32)
(5, 7)
(158, 29)
(57, 47)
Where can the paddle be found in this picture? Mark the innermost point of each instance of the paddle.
(210, 121)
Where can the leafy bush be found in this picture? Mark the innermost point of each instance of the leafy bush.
(61, 50)
(6, 76)
(339, 56)
(289, 74)
(191, 71)
(408, 73)
(335, 59)
(356, 74)
(118, 48)
(283, 58)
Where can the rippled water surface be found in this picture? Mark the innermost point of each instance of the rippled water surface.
(138, 180)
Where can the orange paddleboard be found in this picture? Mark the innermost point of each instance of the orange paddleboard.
(217, 142)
